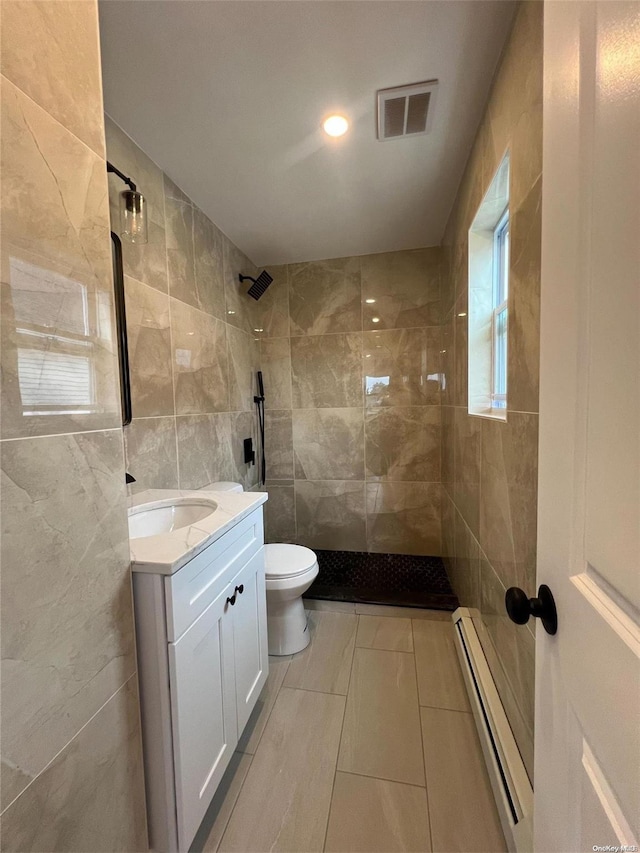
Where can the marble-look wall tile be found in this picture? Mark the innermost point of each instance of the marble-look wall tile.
(404, 518)
(327, 371)
(55, 261)
(149, 344)
(173, 191)
(274, 305)
(328, 444)
(242, 310)
(494, 486)
(50, 51)
(146, 262)
(447, 415)
(275, 363)
(447, 295)
(180, 253)
(515, 105)
(523, 360)
(508, 510)
(517, 658)
(405, 286)
(67, 625)
(324, 297)
(461, 351)
(403, 444)
(470, 194)
(208, 251)
(243, 425)
(448, 513)
(279, 444)
(402, 367)
(331, 514)
(460, 259)
(244, 362)
(465, 573)
(280, 515)
(466, 440)
(151, 455)
(447, 361)
(200, 361)
(91, 796)
(204, 449)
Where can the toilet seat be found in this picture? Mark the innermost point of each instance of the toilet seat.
(287, 561)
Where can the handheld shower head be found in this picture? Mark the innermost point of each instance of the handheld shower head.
(259, 285)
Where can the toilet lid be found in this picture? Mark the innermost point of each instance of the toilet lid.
(285, 561)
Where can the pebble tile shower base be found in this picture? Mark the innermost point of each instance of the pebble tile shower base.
(398, 579)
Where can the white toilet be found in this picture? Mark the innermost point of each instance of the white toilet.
(289, 571)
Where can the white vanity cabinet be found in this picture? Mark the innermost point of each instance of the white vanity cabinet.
(202, 656)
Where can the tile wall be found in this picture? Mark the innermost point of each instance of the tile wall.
(489, 467)
(352, 371)
(71, 754)
(193, 348)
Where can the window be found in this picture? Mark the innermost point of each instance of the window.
(488, 299)
(499, 317)
(62, 327)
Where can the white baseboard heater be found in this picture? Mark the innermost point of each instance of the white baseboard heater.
(511, 787)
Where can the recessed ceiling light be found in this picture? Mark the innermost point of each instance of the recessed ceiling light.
(369, 301)
(335, 125)
(375, 319)
(258, 330)
(231, 312)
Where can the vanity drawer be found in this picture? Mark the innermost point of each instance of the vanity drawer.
(193, 587)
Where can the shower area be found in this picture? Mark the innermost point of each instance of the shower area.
(351, 355)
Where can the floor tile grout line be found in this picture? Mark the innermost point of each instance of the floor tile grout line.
(311, 690)
(344, 714)
(266, 722)
(380, 649)
(424, 760)
(252, 756)
(382, 779)
(442, 708)
(222, 834)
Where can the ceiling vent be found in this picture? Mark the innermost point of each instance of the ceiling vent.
(406, 110)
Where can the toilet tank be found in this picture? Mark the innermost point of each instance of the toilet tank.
(222, 486)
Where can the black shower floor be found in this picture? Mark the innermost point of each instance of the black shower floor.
(398, 579)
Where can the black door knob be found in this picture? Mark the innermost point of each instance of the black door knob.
(239, 589)
(520, 607)
(232, 599)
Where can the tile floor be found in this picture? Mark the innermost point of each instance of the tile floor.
(364, 741)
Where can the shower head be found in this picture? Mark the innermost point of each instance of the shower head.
(259, 285)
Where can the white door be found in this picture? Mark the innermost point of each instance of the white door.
(250, 636)
(201, 672)
(587, 725)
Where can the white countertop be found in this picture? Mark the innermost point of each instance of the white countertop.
(167, 552)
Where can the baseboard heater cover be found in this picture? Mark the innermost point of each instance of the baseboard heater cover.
(509, 780)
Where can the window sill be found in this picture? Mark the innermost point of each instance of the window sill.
(491, 414)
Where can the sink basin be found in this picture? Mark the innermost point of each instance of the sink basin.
(168, 515)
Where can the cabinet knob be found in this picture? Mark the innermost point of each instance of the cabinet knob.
(239, 589)
(232, 599)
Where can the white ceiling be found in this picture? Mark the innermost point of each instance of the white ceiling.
(227, 96)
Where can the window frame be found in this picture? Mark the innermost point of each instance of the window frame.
(500, 301)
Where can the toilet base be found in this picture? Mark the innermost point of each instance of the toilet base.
(287, 627)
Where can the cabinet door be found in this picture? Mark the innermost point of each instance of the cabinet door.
(204, 724)
(250, 636)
